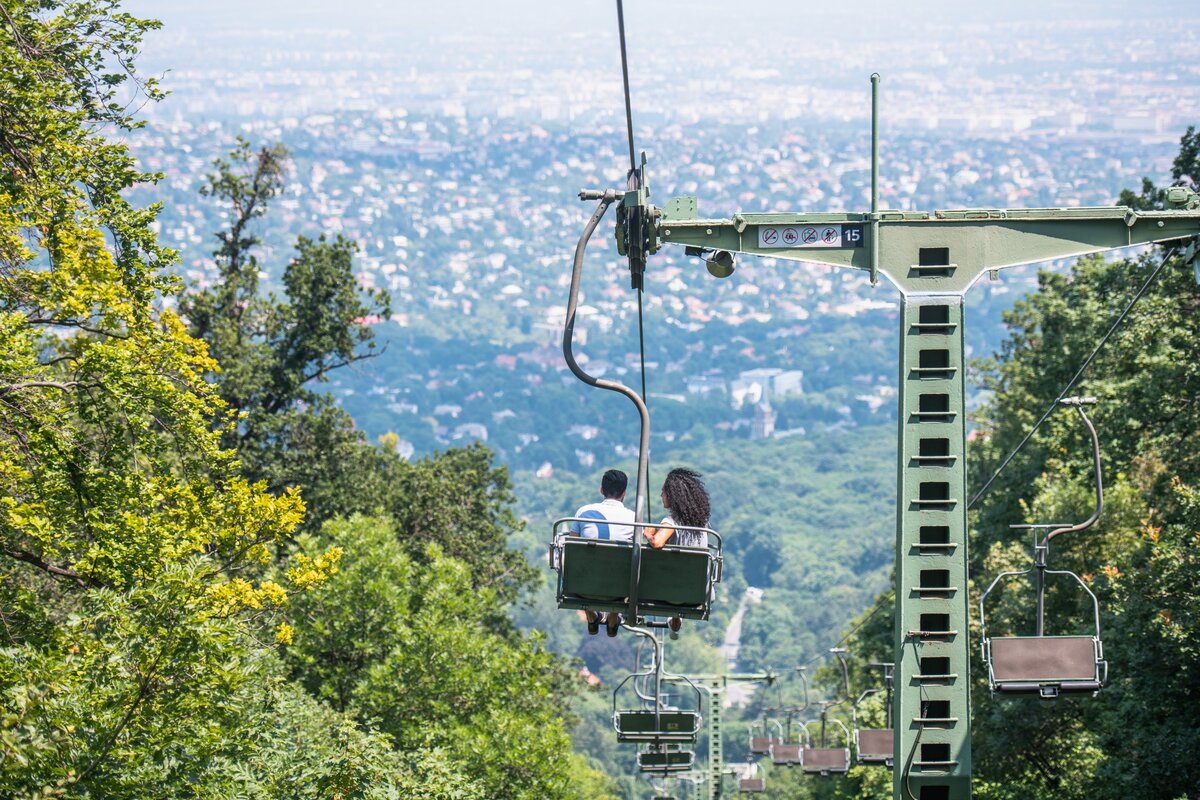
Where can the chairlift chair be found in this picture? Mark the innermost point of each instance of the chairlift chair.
(627, 577)
(665, 760)
(875, 745)
(784, 752)
(751, 781)
(826, 760)
(787, 754)
(597, 574)
(761, 745)
(659, 724)
(1047, 666)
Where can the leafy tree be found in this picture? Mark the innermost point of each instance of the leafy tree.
(124, 525)
(1128, 742)
(272, 351)
(406, 647)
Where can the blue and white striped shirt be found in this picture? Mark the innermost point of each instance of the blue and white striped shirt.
(605, 513)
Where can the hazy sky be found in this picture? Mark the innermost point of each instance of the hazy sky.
(746, 33)
(710, 22)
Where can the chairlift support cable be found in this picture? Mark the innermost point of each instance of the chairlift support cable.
(625, 78)
(1071, 383)
(634, 181)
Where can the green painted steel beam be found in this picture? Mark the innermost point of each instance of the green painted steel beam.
(932, 632)
(979, 240)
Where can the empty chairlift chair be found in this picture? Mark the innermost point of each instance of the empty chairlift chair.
(875, 745)
(763, 735)
(787, 754)
(1042, 665)
(665, 760)
(783, 750)
(825, 760)
(658, 725)
(599, 574)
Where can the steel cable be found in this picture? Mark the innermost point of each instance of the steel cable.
(1071, 383)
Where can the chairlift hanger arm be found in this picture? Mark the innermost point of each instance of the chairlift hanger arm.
(1079, 403)
(979, 240)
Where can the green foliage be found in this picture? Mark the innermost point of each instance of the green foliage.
(145, 570)
(123, 525)
(272, 350)
(1185, 171)
(408, 648)
(1131, 740)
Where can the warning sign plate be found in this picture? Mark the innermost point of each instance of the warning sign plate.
(799, 237)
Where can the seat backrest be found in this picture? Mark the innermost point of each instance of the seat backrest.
(825, 759)
(596, 571)
(785, 753)
(667, 722)
(1043, 658)
(752, 785)
(674, 577)
(874, 743)
(681, 759)
(761, 744)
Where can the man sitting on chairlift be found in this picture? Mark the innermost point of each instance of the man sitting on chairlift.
(606, 514)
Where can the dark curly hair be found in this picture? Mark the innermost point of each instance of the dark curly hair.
(684, 493)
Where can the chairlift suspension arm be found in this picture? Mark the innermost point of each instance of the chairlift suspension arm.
(980, 240)
(606, 198)
(1042, 551)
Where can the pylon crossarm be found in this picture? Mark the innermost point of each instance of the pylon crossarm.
(914, 244)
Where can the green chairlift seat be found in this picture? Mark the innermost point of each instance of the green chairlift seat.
(596, 574)
(662, 761)
(663, 726)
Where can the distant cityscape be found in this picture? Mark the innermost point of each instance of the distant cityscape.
(454, 169)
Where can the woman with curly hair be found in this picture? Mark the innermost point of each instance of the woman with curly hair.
(684, 496)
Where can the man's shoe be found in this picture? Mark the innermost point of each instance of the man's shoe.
(674, 623)
(612, 623)
(593, 622)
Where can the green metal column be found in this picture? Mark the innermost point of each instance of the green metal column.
(714, 688)
(932, 697)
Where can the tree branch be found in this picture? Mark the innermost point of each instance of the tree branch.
(16, 387)
(41, 563)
